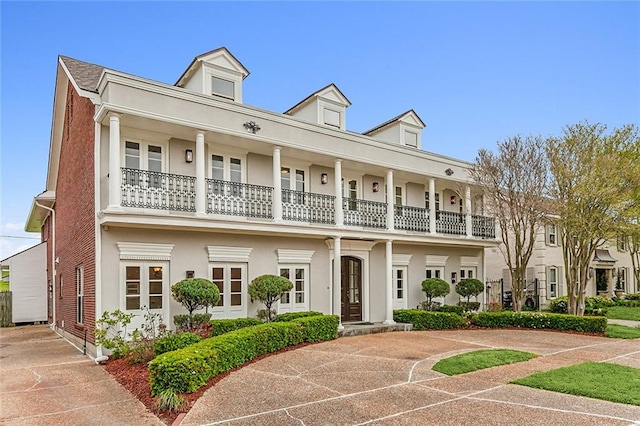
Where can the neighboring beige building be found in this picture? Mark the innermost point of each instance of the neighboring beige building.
(149, 183)
(546, 274)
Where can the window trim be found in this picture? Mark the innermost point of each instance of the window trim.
(223, 95)
(553, 294)
(144, 152)
(400, 303)
(549, 234)
(226, 165)
(227, 310)
(301, 307)
(144, 293)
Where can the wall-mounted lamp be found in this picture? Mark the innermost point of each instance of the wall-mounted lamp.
(188, 156)
(190, 274)
(251, 126)
(324, 178)
(448, 172)
(453, 199)
(454, 277)
(376, 186)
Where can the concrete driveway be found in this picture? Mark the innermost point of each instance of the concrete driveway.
(46, 381)
(387, 379)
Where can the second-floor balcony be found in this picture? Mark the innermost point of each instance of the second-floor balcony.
(172, 192)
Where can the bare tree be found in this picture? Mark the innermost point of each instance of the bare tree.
(515, 183)
(592, 183)
(634, 252)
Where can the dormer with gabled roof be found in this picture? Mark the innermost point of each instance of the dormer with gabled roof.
(326, 106)
(404, 129)
(217, 73)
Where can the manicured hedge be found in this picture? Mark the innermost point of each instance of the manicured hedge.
(187, 369)
(452, 308)
(222, 326)
(294, 315)
(173, 342)
(426, 320)
(539, 320)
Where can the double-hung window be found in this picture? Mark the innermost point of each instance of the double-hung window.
(552, 281)
(222, 87)
(79, 295)
(552, 234)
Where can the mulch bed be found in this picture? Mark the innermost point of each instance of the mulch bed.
(135, 378)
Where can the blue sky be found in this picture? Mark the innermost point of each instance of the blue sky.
(475, 72)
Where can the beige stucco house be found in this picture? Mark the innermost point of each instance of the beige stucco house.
(149, 183)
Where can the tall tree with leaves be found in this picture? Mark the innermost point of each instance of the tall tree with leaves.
(515, 183)
(592, 181)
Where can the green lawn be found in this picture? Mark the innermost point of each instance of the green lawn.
(610, 382)
(622, 332)
(477, 360)
(4, 285)
(624, 313)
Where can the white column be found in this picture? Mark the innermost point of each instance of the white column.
(337, 281)
(277, 185)
(114, 162)
(467, 211)
(391, 192)
(201, 186)
(389, 282)
(338, 192)
(432, 206)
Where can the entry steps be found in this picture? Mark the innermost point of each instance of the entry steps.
(362, 328)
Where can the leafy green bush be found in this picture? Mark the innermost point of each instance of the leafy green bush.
(222, 326)
(195, 293)
(559, 305)
(539, 321)
(469, 287)
(593, 305)
(190, 322)
(187, 369)
(318, 328)
(288, 316)
(469, 306)
(425, 320)
(434, 287)
(632, 296)
(111, 332)
(268, 289)
(175, 341)
(452, 308)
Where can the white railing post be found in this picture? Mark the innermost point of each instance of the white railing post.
(390, 200)
(467, 211)
(201, 185)
(277, 186)
(114, 162)
(432, 206)
(338, 192)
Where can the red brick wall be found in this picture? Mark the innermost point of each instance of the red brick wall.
(75, 215)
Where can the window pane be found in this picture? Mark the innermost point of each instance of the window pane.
(132, 155)
(155, 302)
(155, 287)
(133, 273)
(285, 178)
(133, 288)
(411, 139)
(236, 300)
(236, 273)
(331, 117)
(218, 273)
(428, 273)
(284, 273)
(236, 286)
(285, 298)
(217, 167)
(155, 158)
(133, 303)
(223, 87)
(155, 272)
(437, 273)
(299, 297)
(235, 170)
(299, 180)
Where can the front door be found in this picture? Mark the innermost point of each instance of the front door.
(351, 284)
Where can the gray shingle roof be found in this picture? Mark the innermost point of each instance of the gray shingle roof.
(86, 75)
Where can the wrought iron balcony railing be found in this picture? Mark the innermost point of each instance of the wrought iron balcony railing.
(369, 214)
(155, 190)
(484, 227)
(450, 223)
(239, 199)
(411, 218)
(308, 207)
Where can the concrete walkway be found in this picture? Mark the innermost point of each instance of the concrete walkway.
(387, 379)
(46, 381)
(627, 323)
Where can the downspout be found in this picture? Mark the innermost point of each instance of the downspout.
(100, 357)
(53, 261)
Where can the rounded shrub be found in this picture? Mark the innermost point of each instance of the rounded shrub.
(195, 293)
(268, 289)
(432, 288)
(173, 341)
(469, 287)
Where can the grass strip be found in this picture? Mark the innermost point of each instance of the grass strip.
(609, 382)
(622, 332)
(623, 313)
(477, 360)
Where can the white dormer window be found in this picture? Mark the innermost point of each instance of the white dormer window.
(411, 139)
(222, 87)
(331, 117)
